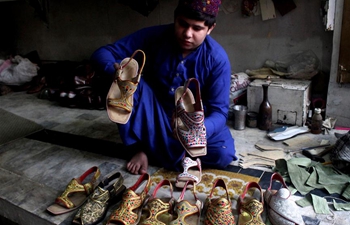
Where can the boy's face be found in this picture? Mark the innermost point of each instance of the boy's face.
(190, 33)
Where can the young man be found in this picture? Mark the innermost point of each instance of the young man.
(175, 53)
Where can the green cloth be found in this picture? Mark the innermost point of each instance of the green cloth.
(298, 176)
(341, 206)
(346, 192)
(328, 175)
(335, 188)
(320, 205)
(306, 175)
(313, 180)
(306, 201)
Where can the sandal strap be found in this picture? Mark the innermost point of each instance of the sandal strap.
(75, 185)
(127, 87)
(198, 104)
(252, 185)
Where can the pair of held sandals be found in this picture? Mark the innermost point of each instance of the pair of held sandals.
(188, 117)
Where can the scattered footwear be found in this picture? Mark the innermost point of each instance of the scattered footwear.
(189, 120)
(120, 95)
(251, 207)
(218, 210)
(108, 192)
(133, 200)
(158, 211)
(187, 212)
(281, 209)
(76, 193)
(192, 171)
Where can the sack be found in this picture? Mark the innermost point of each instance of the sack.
(18, 71)
(340, 154)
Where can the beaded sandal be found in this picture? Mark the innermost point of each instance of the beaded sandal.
(76, 193)
(189, 120)
(192, 171)
(188, 212)
(218, 211)
(120, 96)
(251, 207)
(158, 209)
(129, 211)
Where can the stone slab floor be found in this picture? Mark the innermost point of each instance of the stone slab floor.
(36, 168)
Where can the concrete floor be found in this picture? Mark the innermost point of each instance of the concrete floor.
(34, 170)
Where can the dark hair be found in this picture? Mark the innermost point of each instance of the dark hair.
(195, 15)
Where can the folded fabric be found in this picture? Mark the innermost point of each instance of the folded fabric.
(320, 205)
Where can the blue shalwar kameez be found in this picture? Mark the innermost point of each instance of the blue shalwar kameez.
(164, 71)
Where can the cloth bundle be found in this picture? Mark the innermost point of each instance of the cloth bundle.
(340, 155)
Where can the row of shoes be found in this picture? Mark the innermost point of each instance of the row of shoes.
(136, 205)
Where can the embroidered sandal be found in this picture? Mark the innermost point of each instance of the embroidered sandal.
(189, 120)
(281, 209)
(108, 192)
(218, 211)
(188, 212)
(192, 171)
(133, 200)
(251, 207)
(158, 209)
(76, 193)
(120, 95)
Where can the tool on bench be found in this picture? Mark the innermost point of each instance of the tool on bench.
(318, 158)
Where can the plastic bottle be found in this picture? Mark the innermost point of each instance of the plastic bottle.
(316, 122)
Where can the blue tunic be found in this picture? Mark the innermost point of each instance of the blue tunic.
(164, 71)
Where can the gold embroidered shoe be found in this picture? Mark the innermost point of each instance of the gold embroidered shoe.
(133, 200)
(158, 209)
(108, 192)
(218, 209)
(188, 212)
(76, 193)
(251, 207)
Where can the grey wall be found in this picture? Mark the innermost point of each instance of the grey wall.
(76, 28)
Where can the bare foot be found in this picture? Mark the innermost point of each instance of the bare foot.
(138, 163)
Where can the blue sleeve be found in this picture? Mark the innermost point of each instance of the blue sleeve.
(217, 94)
(105, 57)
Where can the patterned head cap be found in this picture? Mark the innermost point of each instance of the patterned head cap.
(209, 7)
